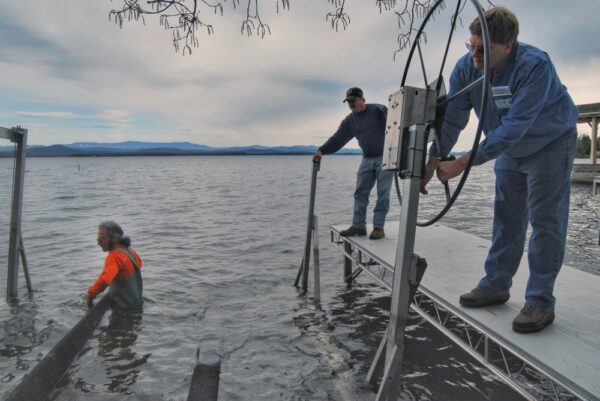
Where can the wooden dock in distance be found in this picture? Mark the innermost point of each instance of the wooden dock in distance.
(565, 356)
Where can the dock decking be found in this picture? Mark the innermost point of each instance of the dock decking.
(567, 353)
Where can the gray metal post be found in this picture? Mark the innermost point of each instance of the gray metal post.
(309, 226)
(20, 138)
(405, 264)
(348, 264)
(25, 268)
(316, 262)
(593, 156)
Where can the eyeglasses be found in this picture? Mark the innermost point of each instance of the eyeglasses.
(471, 47)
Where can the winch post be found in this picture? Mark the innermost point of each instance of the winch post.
(410, 114)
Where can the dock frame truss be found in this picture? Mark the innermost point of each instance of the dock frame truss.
(523, 375)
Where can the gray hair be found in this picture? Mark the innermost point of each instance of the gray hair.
(502, 23)
(115, 230)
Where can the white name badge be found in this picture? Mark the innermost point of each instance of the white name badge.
(502, 96)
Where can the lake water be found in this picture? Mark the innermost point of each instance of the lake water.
(221, 239)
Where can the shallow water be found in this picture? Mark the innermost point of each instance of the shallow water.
(221, 239)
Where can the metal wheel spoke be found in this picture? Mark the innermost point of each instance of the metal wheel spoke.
(460, 92)
(454, 18)
(422, 63)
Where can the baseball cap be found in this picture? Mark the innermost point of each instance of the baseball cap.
(353, 93)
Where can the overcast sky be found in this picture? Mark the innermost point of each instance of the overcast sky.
(69, 75)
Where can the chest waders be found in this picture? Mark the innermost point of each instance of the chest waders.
(127, 294)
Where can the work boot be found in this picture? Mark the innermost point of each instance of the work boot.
(481, 297)
(352, 231)
(377, 233)
(532, 319)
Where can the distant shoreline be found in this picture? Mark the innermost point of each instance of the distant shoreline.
(132, 154)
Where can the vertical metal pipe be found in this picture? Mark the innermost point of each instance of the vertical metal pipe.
(316, 262)
(20, 138)
(309, 226)
(25, 267)
(406, 261)
(299, 275)
(348, 264)
(593, 156)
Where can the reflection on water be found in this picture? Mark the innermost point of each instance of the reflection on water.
(112, 353)
(221, 239)
(20, 334)
(115, 343)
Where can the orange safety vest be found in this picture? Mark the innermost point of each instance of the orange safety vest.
(118, 271)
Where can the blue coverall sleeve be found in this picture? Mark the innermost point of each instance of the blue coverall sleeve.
(528, 101)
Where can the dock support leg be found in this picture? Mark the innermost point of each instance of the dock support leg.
(388, 390)
(299, 275)
(19, 136)
(593, 157)
(25, 268)
(316, 261)
(378, 363)
(348, 265)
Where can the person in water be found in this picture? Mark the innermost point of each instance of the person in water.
(121, 271)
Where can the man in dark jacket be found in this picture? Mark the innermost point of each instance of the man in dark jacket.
(366, 123)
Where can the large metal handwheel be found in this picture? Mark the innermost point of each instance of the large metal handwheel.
(483, 81)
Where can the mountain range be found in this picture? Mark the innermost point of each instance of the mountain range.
(137, 148)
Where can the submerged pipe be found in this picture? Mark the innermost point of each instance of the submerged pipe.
(38, 383)
(205, 381)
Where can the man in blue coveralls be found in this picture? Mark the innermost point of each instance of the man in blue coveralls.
(366, 123)
(530, 131)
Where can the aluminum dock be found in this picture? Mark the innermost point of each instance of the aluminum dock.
(563, 359)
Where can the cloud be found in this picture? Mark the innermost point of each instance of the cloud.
(73, 75)
(46, 114)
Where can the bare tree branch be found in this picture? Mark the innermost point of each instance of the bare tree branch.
(339, 17)
(185, 18)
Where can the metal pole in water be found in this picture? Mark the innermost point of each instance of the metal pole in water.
(25, 268)
(316, 262)
(348, 264)
(19, 136)
(309, 226)
(406, 265)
